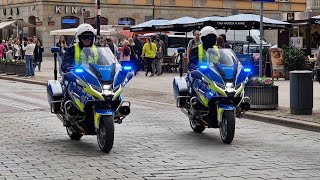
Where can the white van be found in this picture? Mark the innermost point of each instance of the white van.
(245, 41)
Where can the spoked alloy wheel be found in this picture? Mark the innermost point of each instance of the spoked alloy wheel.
(196, 128)
(227, 126)
(105, 133)
(73, 133)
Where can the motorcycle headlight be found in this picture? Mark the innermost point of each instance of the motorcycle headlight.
(96, 88)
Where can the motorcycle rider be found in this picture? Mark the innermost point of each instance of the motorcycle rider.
(208, 36)
(83, 50)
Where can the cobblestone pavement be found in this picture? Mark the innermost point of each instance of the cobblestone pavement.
(154, 142)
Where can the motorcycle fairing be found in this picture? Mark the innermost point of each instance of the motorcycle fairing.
(88, 87)
(241, 77)
(120, 77)
(212, 74)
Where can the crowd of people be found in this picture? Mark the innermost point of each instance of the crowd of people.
(30, 50)
(143, 56)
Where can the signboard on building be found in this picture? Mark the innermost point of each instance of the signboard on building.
(277, 62)
(297, 42)
(263, 0)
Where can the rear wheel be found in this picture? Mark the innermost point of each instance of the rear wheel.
(73, 133)
(105, 133)
(227, 126)
(194, 126)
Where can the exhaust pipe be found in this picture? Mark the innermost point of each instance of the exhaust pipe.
(124, 110)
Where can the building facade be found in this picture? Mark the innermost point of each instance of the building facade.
(61, 14)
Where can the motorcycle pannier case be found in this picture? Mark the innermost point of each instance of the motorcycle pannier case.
(180, 91)
(55, 95)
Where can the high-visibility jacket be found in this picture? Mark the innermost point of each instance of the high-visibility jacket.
(77, 55)
(202, 54)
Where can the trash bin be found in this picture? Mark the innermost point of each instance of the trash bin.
(301, 92)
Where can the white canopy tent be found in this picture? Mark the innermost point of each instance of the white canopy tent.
(72, 32)
(15, 24)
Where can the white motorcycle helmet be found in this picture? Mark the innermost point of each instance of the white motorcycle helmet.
(84, 28)
(207, 30)
(208, 36)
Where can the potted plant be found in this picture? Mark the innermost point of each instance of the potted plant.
(294, 59)
(21, 67)
(262, 93)
(10, 67)
(2, 66)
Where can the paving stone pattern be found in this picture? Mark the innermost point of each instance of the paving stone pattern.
(154, 142)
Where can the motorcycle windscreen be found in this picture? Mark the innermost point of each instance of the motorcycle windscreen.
(228, 71)
(223, 60)
(106, 73)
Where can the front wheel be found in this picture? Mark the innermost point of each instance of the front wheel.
(227, 126)
(73, 133)
(105, 133)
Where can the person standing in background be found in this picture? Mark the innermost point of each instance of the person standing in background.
(17, 50)
(138, 47)
(159, 57)
(133, 55)
(220, 42)
(62, 44)
(193, 43)
(29, 48)
(225, 41)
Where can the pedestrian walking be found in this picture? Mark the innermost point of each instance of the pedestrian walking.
(2, 49)
(149, 52)
(125, 53)
(38, 55)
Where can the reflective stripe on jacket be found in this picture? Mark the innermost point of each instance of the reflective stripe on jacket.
(77, 54)
(202, 55)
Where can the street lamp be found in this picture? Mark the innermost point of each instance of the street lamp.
(98, 12)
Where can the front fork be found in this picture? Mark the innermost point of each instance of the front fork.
(221, 108)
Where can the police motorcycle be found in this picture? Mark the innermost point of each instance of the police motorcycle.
(89, 98)
(212, 94)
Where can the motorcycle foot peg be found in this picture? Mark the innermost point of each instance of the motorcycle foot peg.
(124, 110)
(119, 121)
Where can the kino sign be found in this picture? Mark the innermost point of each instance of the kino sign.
(68, 9)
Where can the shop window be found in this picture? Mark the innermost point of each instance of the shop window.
(199, 3)
(126, 2)
(69, 22)
(168, 3)
(126, 21)
(92, 21)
